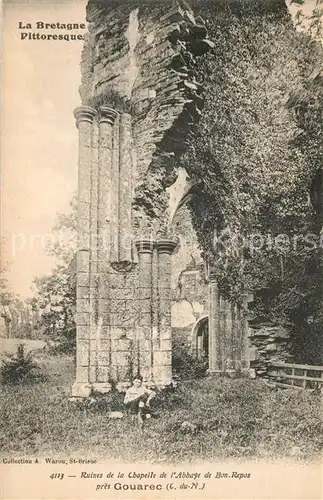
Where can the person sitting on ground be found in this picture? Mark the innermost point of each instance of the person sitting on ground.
(137, 399)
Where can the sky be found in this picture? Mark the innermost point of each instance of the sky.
(39, 138)
(39, 146)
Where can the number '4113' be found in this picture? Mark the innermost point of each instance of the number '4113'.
(57, 475)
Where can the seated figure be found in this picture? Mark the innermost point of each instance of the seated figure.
(137, 399)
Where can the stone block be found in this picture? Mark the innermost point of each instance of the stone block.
(83, 261)
(145, 344)
(165, 332)
(104, 373)
(144, 306)
(165, 344)
(83, 279)
(122, 319)
(83, 224)
(84, 239)
(82, 319)
(93, 373)
(122, 293)
(103, 357)
(120, 358)
(162, 358)
(165, 316)
(102, 387)
(102, 331)
(165, 294)
(123, 386)
(271, 347)
(82, 354)
(83, 209)
(117, 306)
(253, 354)
(104, 345)
(120, 281)
(103, 305)
(82, 292)
(144, 293)
(121, 345)
(145, 318)
(165, 374)
(82, 374)
(81, 390)
(146, 333)
(121, 373)
(83, 306)
(118, 333)
(82, 332)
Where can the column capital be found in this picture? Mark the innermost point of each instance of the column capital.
(166, 245)
(108, 115)
(145, 245)
(84, 114)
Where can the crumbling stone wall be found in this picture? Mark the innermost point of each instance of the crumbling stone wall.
(139, 96)
(143, 60)
(141, 93)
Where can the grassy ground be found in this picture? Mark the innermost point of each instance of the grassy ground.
(234, 418)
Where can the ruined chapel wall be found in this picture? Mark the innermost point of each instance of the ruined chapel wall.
(136, 60)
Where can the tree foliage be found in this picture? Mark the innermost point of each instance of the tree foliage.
(20, 367)
(257, 148)
(56, 292)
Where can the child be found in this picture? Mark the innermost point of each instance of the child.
(137, 399)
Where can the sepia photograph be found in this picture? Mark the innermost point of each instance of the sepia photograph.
(161, 302)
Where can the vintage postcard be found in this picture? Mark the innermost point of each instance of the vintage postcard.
(161, 249)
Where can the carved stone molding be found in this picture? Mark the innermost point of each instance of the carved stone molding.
(166, 245)
(145, 245)
(123, 266)
(107, 115)
(84, 114)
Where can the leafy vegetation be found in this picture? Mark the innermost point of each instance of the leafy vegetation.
(256, 151)
(20, 367)
(56, 292)
(185, 365)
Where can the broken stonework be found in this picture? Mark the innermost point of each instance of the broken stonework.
(130, 133)
(141, 94)
(271, 343)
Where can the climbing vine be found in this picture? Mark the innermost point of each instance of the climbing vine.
(257, 149)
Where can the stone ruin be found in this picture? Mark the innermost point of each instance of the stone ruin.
(140, 275)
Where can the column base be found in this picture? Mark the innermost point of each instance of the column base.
(231, 373)
(214, 373)
(123, 386)
(81, 390)
(162, 383)
(102, 387)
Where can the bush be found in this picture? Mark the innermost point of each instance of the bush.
(64, 343)
(184, 364)
(20, 367)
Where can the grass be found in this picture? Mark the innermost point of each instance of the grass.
(235, 419)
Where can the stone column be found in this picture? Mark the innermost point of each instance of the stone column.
(235, 336)
(163, 357)
(115, 192)
(94, 246)
(100, 362)
(245, 354)
(230, 341)
(84, 117)
(215, 348)
(125, 188)
(144, 339)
